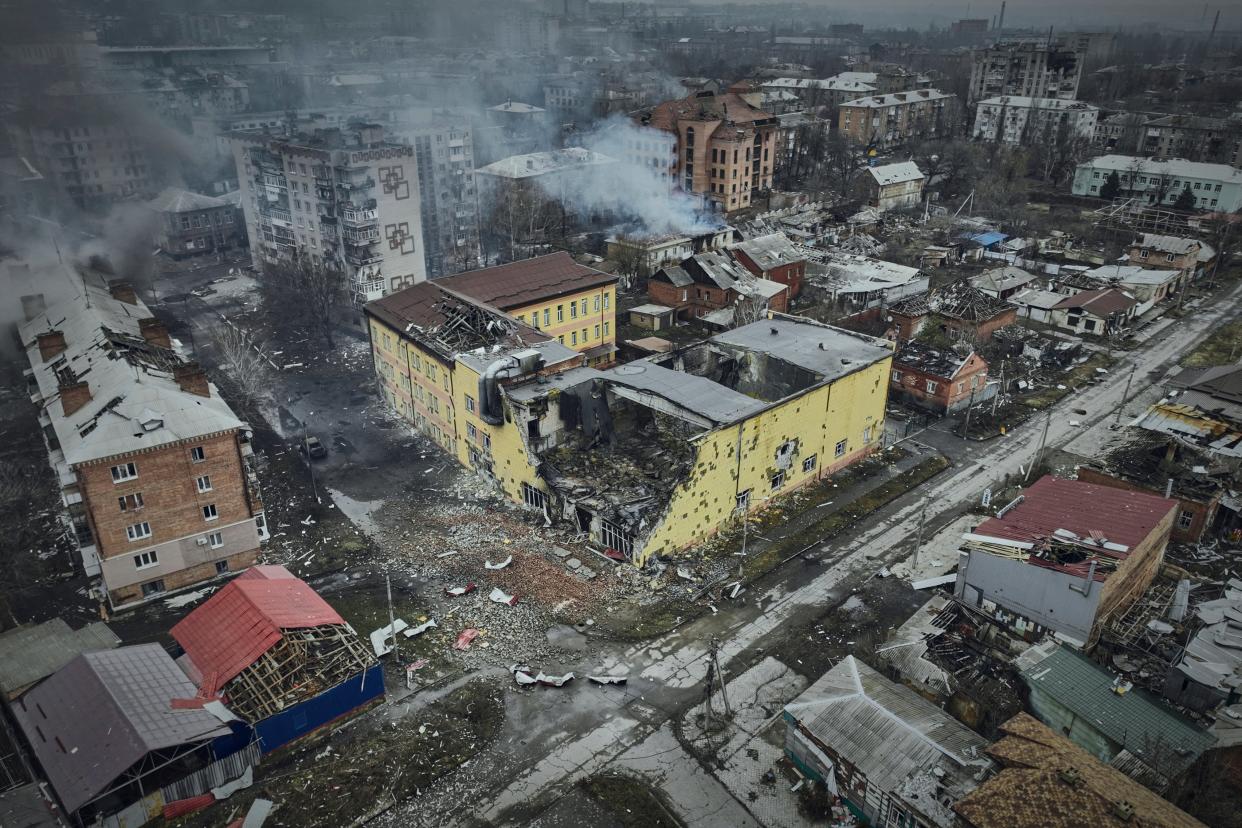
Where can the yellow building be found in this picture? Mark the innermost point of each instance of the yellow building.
(650, 457)
(572, 303)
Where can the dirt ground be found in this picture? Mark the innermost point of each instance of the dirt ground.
(368, 764)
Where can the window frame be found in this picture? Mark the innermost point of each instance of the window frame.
(138, 531)
(210, 512)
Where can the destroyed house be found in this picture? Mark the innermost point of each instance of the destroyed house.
(1208, 671)
(1161, 464)
(114, 739)
(1046, 781)
(773, 257)
(939, 379)
(958, 310)
(156, 471)
(653, 456)
(1002, 282)
(1066, 557)
(894, 757)
(283, 659)
(711, 285)
(1204, 411)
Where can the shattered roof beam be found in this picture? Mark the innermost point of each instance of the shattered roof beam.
(657, 403)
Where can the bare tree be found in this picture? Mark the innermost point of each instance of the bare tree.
(305, 289)
(242, 360)
(522, 215)
(633, 262)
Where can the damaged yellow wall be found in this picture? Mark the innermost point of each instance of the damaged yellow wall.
(848, 413)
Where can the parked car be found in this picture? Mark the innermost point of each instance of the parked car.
(315, 449)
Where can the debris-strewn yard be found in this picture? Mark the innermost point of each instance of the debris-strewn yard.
(369, 764)
(633, 804)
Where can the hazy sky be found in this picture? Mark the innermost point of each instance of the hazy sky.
(1063, 14)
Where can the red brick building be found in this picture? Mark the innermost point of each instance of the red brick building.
(773, 257)
(939, 380)
(154, 466)
(959, 311)
(708, 282)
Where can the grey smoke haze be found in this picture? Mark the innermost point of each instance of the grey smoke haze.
(633, 192)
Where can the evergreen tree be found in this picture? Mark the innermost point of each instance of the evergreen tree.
(1185, 200)
(1112, 186)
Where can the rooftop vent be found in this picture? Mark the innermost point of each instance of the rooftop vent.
(1123, 810)
(1070, 776)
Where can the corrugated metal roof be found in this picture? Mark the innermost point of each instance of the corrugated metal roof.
(884, 729)
(31, 653)
(1147, 728)
(104, 711)
(1052, 503)
(518, 284)
(244, 619)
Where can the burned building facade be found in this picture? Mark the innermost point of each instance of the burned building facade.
(646, 458)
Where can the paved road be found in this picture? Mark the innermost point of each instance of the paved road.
(667, 668)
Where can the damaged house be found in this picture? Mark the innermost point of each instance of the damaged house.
(941, 380)
(713, 287)
(1065, 557)
(1204, 411)
(958, 310)
(286, 662)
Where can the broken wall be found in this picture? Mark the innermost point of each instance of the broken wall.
(848, 413)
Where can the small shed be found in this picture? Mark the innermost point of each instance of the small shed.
(652, 317)
(31, 653)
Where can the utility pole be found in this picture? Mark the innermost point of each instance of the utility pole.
(724, 694)
(918, 540)
(392, 624)
(969, 406)
(1124, 395)
(1039, 452)
(999, 391)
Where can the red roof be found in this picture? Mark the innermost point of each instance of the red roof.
(1052, 503)
(242, 621)
(518, 284)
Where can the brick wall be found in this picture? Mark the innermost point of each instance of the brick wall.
(1201, 512)
(171, 502)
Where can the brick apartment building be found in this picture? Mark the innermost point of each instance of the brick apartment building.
(155, 469)
(885, 121)
(725, 147)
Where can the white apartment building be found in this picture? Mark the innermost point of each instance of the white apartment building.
(346, 196)
(1216, 187)
(1022, 120)
(448, 199)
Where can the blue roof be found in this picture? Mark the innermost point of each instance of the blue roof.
(987, 239)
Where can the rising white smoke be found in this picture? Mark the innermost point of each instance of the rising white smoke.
(632, 192)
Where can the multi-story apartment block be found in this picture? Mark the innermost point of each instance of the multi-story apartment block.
(1025, 121)
(448, 201)
(155, 469)
(1215, 187)
(346, 197)
(725, 146)
(1121, 132)
(1028, 68)
(88, 156)
(1194, 138)
(886, 121)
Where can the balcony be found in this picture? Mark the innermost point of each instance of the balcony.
(357, 186)
(279, 216)
(363, 257)
(360, 218)
(361, 236)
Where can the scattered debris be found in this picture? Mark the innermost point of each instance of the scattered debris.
(608, 679)
(499, 596)
(421, 628)
(501, 565)
(457, 592)
(463, 641)
(382, 639)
